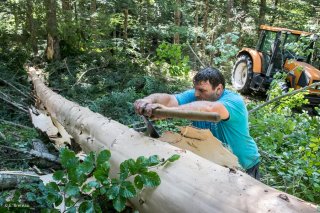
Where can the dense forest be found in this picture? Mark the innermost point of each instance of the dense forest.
(106, 54)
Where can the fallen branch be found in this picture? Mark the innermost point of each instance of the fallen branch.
(15, 124)
(85, 72)
(46, 156)
(18, 106)
(195, 54)
(14, 87)
(283, 96)
(11, 179)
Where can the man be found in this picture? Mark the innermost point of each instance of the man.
(209, 95)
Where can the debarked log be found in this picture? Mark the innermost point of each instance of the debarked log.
(191, 184)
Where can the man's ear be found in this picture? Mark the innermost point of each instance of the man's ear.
(219, 89)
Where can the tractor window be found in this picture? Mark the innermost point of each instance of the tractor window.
(268, 41)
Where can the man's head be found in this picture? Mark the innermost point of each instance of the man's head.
(209, 84)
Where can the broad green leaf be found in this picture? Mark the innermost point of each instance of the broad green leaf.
(58, 200)
(86, 207)
(128, 166)
(68, 158)
(53, 186)
(173, 158)
(58, 175)
(119, 203)
(69, 202)
(100, 174)
(113, 192)
(127, 190)
(88, 164)
(138, 182)
(86, 188)
(103, 156)
(150, 179)
(71, 190)
(93, 184)
(153, 160)
(142, 161)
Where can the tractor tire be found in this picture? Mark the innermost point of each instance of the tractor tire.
(242, 74)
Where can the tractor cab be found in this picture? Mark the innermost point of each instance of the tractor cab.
(278, 50)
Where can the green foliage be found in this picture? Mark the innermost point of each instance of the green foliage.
(278, 87)
(301, 48)
(82, 194)
(224, 48)
(171, 61)
(289, 144)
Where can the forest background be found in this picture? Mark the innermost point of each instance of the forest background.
(106, 54)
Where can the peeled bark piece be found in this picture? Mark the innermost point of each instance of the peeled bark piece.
(51, 127)
(191, 184)
(202, 143)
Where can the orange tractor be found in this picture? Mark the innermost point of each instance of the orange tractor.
(255, 68)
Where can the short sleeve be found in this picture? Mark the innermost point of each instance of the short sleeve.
(235, 107)
(186, 97)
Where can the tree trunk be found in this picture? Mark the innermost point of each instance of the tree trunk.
(205, 24)
(31, 28)
(262, 12)
(125, 23)
(275, 9)
(191, 184)
(230, 6)
(177, 21)
(66, 5)
(53, 47)
(93, 9)
(196, 25)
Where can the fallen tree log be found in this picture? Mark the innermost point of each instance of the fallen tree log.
(191, 184)
(11, 179)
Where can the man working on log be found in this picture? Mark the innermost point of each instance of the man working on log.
(209, 95)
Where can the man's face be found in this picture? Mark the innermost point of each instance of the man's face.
(205, 92)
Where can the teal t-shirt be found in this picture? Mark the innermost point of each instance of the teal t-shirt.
(233, 132)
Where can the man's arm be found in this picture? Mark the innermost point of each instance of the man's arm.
(154, 100)
(206, 106)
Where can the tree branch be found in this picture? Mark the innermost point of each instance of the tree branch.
(15, 124)
(18, 106)
(14, 87)
(195, 54)
(46, 156)
(283, 96)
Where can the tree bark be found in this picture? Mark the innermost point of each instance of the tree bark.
(191, 184)
(125, 23)
(230, 6)
(31, 28)
(53, 47)
(262, 12)
(205, 24)
(275, 9)
(177, 22)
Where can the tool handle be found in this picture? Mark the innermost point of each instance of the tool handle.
(187, 114)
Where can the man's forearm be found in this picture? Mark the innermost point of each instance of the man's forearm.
(161, 98)
(206, 106)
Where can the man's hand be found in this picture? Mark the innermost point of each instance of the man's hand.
(145, 107)
(140, 105)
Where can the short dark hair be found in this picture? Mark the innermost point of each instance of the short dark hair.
(214, 76)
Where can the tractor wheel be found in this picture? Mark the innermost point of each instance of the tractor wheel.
(242, 74)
